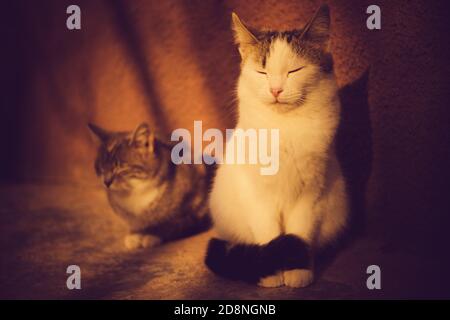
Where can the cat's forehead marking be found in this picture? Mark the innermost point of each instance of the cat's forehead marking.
(267, 39)
(281, 54)
(293, 39)
(110, 146)
(114, 150)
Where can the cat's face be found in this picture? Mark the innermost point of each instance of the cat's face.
(279, 68)
(125, 157)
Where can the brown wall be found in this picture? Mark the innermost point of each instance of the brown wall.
(173, 62)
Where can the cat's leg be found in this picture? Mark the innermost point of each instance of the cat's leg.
(134, 241)
(303, 220)
(298, 278)
(240, 213)
(265, 226)
(273, 281)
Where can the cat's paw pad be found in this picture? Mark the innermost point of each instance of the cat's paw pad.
(273, 281)
(141, 241)
(298, 278)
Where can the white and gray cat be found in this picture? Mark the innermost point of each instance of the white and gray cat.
(159, 200)
(270, 227)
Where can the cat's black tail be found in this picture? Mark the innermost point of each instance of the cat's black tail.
(250, 262)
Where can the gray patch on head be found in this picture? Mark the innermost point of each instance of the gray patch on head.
(265, 41)
(306, 47)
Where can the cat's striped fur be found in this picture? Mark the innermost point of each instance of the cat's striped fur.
(159, 200)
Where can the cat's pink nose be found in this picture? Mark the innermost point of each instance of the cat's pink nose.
(276, 91)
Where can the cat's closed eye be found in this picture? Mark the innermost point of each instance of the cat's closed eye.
(289, 72)
(295, 70)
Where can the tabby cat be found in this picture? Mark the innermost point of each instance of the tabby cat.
(159, 200)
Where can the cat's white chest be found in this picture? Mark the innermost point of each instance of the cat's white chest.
(142, 197)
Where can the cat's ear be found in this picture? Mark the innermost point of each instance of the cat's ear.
(318, 28)
(143, 138)
(242, 35)
(100, 135)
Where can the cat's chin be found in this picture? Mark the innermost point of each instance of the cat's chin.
(118, 187)
(282, 106)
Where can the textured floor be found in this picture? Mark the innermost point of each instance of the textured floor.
(46, 228)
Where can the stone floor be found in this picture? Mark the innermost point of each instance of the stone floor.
(45, 228)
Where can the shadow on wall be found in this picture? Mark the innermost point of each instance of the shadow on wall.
(128, 33)
(354, 151)
(354, 147)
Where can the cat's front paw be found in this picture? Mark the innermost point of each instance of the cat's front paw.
(136, 241)
(298, 278)
(273, 281)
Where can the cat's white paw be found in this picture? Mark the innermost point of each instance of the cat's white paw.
(136, 241)
(298, 278)
(273, 281)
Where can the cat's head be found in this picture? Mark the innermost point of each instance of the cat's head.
(281, 67)
(124, 157)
